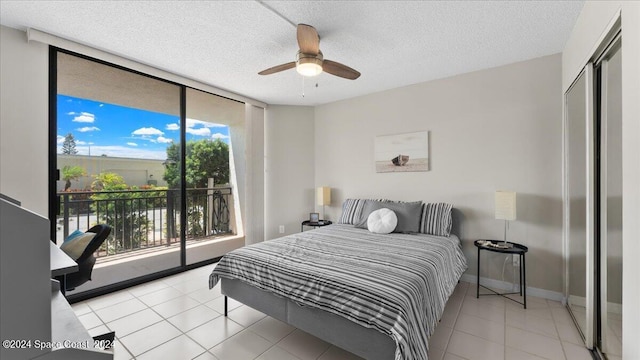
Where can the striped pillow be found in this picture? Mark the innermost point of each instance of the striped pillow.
(352, 210)
(436, 219)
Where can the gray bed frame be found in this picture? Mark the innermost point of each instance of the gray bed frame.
(365, 342)
(346, 334)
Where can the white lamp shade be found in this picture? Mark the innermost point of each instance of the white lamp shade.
(323, 195)
(505, 205)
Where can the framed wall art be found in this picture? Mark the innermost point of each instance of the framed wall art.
(402, 152)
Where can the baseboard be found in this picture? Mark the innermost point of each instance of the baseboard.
(614, 308)
(504, 285)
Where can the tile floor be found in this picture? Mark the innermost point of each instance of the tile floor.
(178, 317)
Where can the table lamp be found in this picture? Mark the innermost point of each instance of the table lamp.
(323, 197)
(505, 210)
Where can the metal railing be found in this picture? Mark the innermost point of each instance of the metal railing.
(146, 219)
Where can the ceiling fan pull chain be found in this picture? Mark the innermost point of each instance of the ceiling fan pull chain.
(303, 86)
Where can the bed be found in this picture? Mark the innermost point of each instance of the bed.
(378, 296)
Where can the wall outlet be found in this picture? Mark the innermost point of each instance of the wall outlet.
(516, 260)
(281, 229)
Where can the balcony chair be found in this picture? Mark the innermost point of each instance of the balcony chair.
(86, 259)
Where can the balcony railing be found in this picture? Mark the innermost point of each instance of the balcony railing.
(146, 219)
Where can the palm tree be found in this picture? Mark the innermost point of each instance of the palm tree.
(71, 173)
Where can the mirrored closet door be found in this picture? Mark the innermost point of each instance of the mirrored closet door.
(593, 201)
(609, 72)
(578, 154)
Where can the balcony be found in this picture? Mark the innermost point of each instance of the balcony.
(147, 220)
(145, 236)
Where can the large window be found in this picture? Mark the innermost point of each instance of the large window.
(133, 154)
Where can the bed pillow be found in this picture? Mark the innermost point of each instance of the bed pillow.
(382, 221)
(408, 214)
(436, 219)
(352, 210)
(75, 247)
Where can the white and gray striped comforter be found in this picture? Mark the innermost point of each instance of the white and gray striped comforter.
(395, 283)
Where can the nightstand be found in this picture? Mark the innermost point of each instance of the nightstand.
(517, 249)
(315, 224)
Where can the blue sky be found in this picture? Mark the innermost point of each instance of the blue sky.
(100, 128)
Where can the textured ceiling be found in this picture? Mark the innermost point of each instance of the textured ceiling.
(226, 43)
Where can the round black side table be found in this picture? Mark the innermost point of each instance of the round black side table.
(494, 246)
(315, 224)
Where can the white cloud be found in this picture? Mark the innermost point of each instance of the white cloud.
(219, 136)
(199, 131)
(84, 117)
(88, 128)
(195, 127)
(200, 128)
(60, 139)
(164, 140)
(191, 123)
(147, 131)
(132, 144)
(71, 113)
(80, 142)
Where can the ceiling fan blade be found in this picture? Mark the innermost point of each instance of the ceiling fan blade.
(337, 69)
(278, 68)
(308, 39)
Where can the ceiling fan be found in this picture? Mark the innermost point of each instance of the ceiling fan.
(309, 59)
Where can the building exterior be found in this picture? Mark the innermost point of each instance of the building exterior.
(136, 172)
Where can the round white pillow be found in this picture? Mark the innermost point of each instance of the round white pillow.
(382, 221)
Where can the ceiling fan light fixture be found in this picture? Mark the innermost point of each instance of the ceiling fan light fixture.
(309, 69)
(309, 65)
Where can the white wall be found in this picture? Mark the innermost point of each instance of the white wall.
(631, 179)
(25, 285)
(289, 168)
(592, 25)
(24, 120)
(493, 129)
(253, 216)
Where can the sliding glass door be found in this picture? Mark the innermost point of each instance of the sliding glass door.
(210, 209)
(146, 156)
(113, 139)
(149, 157)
